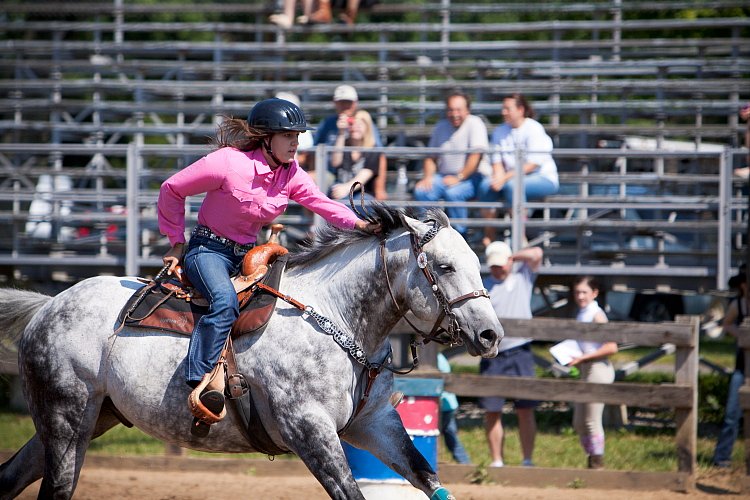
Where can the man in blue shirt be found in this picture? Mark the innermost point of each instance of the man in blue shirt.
(346, 101)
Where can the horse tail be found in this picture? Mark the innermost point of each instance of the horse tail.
(17, 307)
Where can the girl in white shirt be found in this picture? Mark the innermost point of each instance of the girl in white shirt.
(595, 367)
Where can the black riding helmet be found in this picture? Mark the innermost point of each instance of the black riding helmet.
(277, 115)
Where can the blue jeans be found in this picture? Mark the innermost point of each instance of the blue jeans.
(463, 191)
(449, 430)
(731, 425)
(209, 266)
(535, 187)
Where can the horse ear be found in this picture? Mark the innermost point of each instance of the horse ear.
(419, 228)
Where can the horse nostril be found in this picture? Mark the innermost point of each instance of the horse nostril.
(488, 337)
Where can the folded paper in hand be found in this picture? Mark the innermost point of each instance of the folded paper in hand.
(566, 351)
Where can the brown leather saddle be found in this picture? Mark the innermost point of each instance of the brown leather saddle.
(173, 305)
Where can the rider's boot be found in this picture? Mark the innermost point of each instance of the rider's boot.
(206, 402)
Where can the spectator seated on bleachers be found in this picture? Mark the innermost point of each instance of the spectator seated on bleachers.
(345, 102)
(519, 138)
(285, 19)
(455, 174)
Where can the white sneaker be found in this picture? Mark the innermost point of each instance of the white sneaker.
(527, 462)
(497, 463)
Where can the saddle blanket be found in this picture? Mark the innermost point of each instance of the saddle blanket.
(156, 306)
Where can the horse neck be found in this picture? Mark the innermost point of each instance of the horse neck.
(386, 304)
(350, 288)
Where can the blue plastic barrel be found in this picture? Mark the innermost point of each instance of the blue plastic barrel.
(419, 411)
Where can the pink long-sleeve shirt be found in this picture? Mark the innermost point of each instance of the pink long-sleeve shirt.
(242, 195)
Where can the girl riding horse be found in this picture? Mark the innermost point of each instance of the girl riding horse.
(248, 182)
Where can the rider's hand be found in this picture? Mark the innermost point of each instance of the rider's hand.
(339, 191)
(424, 184)
(172, 257)
(343, 122)
(368, 227)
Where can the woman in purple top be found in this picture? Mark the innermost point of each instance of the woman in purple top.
(248, 182)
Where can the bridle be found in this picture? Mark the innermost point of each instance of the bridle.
(452, 335)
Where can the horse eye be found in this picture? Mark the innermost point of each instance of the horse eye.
(447, 268)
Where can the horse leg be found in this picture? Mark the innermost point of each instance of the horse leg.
(22, 469)
(67, 433)
(383, 435)
(65, 410)
(27, 465)
(318, 446)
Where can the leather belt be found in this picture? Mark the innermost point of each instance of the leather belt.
(206, 232)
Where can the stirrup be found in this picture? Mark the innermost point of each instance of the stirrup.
(198, 409)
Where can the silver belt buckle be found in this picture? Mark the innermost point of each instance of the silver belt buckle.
(238, 250)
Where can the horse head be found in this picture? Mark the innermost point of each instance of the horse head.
(427, 268)
(444, 287)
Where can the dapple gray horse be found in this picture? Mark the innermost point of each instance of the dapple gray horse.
(78, 375)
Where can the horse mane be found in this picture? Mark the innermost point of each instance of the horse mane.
(329, 239)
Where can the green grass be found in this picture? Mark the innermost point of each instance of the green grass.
(625, 449)
(16, 429)
(557, 445)
(637, 448)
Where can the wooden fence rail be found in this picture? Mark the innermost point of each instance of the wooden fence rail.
(682, 395)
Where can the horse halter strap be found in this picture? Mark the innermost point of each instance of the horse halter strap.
(436, 334)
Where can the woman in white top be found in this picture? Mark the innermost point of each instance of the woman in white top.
(520, 134)
(595, 367)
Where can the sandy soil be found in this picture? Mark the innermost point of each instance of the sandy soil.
(107, 483)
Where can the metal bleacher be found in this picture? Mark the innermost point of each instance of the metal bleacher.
(102, 100)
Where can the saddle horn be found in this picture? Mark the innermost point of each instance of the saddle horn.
(275, 231)
(262, 255)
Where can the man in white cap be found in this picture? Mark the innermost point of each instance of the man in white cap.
(345, 100)
(510, 285)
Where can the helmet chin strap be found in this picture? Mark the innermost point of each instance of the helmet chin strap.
(267, 145)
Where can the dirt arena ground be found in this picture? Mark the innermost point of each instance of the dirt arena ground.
(130, 483)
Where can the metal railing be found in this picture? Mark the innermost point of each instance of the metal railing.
(679, 215)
